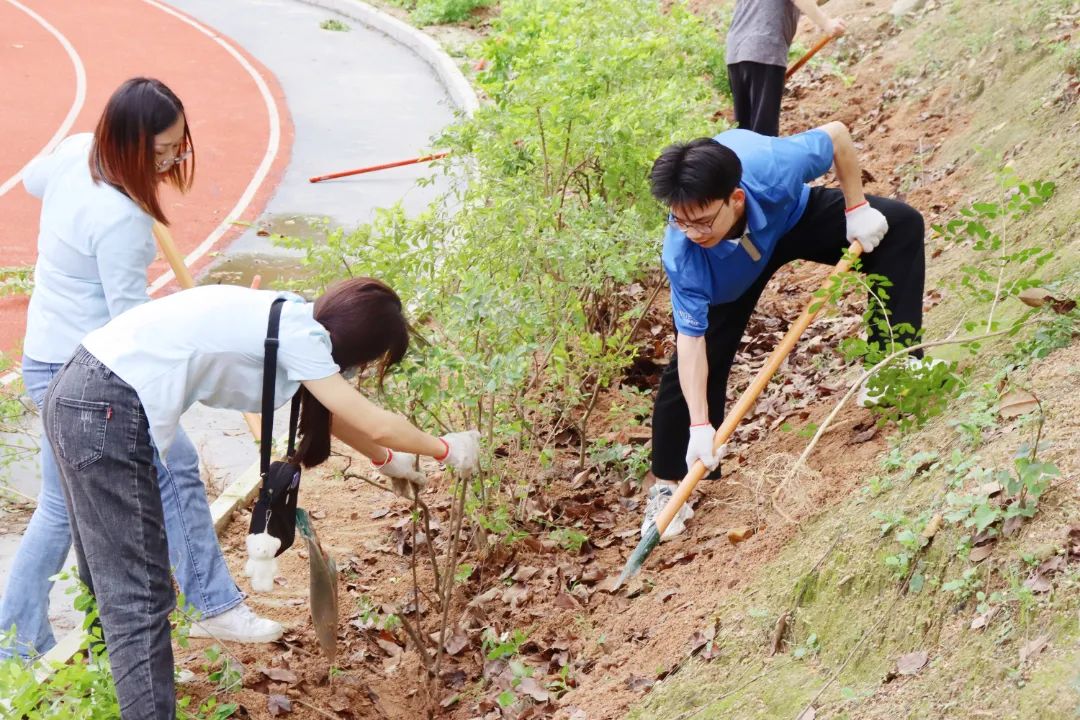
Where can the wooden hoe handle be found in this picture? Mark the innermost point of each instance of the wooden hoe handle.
(184, 279)
(810, 53)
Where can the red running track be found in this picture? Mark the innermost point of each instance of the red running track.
(242, 145)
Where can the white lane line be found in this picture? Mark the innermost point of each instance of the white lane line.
(272, 145)
(76, 103)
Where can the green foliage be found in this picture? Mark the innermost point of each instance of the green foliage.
(370, 615)
(809, 647)
(1000, 261)
(629, 460)
(334, 25)
(83, 689)
(1023, 487)
(16, 280)
(437, 12)
(18, 444)
(522, 278)
(570, 539)
(506, 645)
(224, 672)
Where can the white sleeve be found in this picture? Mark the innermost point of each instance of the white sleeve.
(36, 176)
(124, 250)
(304, 352)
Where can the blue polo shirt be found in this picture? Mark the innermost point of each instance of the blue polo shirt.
(774, 176)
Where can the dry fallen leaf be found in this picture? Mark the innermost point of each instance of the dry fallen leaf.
(278, 705)
(1016, 403)
(1012, 525)
(390, 647)
(525, 573)
(1033, 647)
(912, 662)
(1051, 565)
(530, 687)
(984, 619)
(279, 674)
(980, 553)
(1034, 297)
(1038, 584)
(516, 595)
(740, 534)
(456, 643)
(1037, 297)
(932, 527)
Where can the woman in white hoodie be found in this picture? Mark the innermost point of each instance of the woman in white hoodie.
(100, 199)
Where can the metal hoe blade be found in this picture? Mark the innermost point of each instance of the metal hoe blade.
(323, 588)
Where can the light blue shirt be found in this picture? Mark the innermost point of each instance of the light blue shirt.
(206, 345)
(774, 176)
(94, 246)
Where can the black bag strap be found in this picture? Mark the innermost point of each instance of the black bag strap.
(270, 350)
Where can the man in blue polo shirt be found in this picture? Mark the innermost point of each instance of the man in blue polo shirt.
(740, 208)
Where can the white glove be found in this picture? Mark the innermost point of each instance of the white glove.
(866, 225)
(400, 467)
(701, 447)
(462, 451)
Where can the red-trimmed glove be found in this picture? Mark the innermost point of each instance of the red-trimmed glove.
(866, 225)
(462, 451)
(400, 467)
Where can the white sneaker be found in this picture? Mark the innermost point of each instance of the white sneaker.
(659, 494)
(239, 624)
(868, 400)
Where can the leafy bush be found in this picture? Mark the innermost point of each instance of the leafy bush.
(435, 12)
(83, 689)
(518, 277)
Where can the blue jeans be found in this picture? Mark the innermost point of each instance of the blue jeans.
(194, 552)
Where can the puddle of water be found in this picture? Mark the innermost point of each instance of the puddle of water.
(255, 253)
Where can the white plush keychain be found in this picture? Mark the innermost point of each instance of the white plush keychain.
(261, 564)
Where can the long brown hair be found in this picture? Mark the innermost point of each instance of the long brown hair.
(123, 150)
(367, 325)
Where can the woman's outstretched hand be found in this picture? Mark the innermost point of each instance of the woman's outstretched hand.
(462, 451)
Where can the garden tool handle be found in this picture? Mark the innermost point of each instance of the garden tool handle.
(186, 281)
(809, 54)
(750, 395)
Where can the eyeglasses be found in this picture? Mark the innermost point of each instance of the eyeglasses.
(163, 165)
(700, 226)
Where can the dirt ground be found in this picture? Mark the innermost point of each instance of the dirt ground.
(615, 645)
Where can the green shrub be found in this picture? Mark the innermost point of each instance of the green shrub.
(518, 276)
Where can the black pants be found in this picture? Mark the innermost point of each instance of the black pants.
(820, 236)
(756, 89)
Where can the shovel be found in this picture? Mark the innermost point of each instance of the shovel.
(323, 588)
(745, 403)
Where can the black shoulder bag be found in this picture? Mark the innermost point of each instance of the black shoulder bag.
(275, 510)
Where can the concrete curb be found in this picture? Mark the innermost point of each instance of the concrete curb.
(419, 42)
(240, 492)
